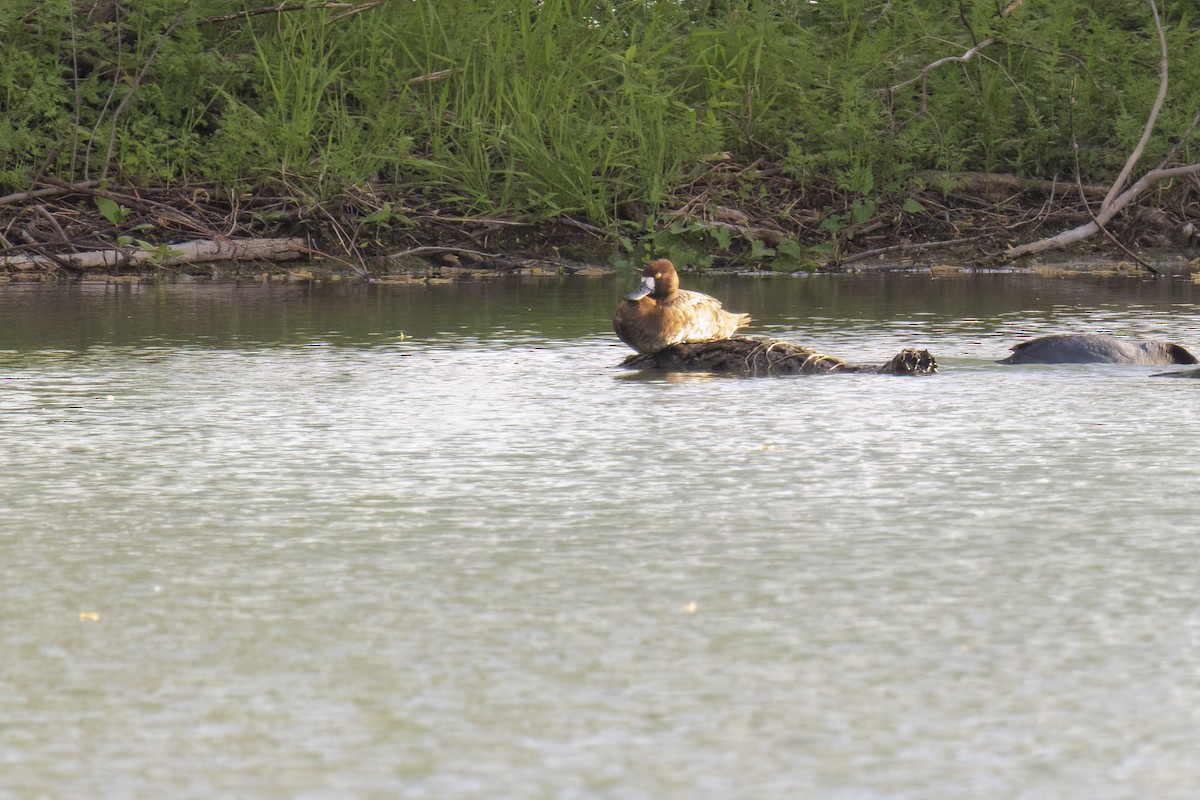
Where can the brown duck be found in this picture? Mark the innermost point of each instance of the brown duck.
(659, 314)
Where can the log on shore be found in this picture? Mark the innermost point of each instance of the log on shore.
(757, 355)
(194, 252)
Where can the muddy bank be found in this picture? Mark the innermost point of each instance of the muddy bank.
(63, 232)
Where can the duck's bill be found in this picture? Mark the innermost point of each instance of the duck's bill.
(646, 287)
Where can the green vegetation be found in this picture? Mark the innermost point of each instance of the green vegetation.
(616, 113)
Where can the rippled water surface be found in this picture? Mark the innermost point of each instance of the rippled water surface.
(431, 542)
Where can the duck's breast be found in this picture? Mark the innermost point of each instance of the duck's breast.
(642, 325)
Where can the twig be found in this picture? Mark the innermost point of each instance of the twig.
(584, 226)
(166, 211)
(352, 12)
(436, 249)
(281, 8)
(133, 87)
(118, 69)
(1170, 156)
(430, 77)
(46, 215)
(924, 73)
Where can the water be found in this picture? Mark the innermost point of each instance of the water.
(429, 542)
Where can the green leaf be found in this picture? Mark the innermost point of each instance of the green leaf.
(723, 236)
(790, 248)
(112, 211)
(382, 215)
(862, 210)
(913, 207)
(759, 250)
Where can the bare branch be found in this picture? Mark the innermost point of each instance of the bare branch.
(53, 191)
(1115, 200)
(1119, 183)
(916, 247)
(1169, 157)
(352, 12)
(133, 87)
(434, 249)
(924, 73)
(1083, 195)
(182, 253)
(1082, 232)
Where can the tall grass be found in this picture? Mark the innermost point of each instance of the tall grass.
(601, 110)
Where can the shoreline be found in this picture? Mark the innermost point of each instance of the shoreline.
(83, 232)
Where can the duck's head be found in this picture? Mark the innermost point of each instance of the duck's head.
(659, 280)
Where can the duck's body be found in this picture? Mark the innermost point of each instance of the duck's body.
(1071, 348)
(659, 314)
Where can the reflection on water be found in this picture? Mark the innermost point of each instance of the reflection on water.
(430, 542)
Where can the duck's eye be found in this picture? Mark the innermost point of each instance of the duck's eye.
(657, 275)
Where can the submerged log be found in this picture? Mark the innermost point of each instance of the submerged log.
(1185, 373)
(757, 355)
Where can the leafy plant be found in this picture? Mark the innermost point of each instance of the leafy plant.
(111, 210)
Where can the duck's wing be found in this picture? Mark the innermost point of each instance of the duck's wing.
(700, 318)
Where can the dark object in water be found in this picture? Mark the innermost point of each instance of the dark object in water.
(755, 355)
(1086, 348)
(1185, 373)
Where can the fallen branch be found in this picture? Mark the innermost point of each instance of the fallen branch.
(412, 251)
(198, 251)
(1115, 200)
(916, 247)
(52, 191)
(1078, 234)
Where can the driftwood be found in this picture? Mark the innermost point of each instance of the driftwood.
(757, 355)
(198, 251)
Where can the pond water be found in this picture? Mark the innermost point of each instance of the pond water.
(431, 542)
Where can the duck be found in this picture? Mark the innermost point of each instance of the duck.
(1087, 348)
(659, 314)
